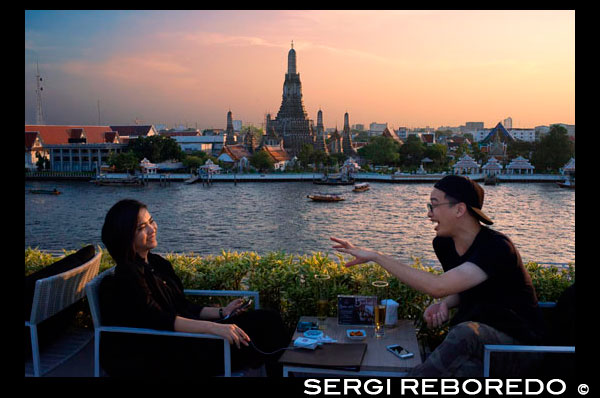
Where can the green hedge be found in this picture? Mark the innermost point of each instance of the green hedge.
(286, 282)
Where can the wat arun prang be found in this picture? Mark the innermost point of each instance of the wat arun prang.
(292, 122)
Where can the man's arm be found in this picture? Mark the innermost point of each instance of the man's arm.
(457, 280)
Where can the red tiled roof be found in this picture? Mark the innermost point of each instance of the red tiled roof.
(76, 133)
(134, 130)
(112, 137)
(427, 138)
(277, 153)
(236, 152)
(58, 135)
(30, 137)
(392, 134)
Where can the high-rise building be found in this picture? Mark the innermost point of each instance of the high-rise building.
(377, 128)
(473, 126)
(507, 123)
(292, 122)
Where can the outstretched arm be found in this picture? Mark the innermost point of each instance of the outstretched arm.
(454, 281)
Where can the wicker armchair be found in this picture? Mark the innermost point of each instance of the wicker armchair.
(52, 295)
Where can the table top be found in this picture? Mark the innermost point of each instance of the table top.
(377, 358)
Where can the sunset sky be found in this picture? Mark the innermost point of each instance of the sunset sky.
(406, 68)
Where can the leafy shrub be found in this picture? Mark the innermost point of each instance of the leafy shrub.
(286, 282)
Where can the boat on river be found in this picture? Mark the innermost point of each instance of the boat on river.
(127, 181)
(335, 179)
(192, 180)
(361, 187)
(568, 183)
(45, 191)
(325, 197)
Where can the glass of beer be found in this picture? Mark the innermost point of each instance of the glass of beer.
(322, 299)
(380, 291)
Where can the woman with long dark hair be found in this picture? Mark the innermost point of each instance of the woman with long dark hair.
(145, 292)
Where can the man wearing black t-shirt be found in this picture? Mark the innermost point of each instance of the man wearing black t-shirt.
(484, 278)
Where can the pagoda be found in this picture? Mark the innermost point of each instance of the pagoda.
(229, 134)
(320, 144)
(335, 142)
(271, 138)
(292, 122)
(466, 165)
(347, 138)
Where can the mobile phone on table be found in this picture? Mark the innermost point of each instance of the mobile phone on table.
(400, 351)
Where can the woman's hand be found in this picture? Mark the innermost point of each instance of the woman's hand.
(232, 332)
(436, 314)
(234, 307)
(361, 255)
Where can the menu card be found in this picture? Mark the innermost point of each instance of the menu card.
(356, 310)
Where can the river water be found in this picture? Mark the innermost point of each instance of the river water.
(263, 217)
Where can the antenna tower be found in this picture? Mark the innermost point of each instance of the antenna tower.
(39, 114)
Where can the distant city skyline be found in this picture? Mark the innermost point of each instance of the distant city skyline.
(405, 68)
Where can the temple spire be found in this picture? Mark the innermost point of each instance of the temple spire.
(292, 60)
(230, 136)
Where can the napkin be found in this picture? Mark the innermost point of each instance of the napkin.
(391, 311)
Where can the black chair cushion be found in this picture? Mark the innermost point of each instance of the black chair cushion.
(67, 263)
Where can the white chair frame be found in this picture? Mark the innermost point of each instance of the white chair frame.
(93, 300)
(54, 294)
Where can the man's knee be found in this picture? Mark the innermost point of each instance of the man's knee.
(464, 330)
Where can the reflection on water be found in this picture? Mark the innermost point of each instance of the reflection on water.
(263, 217)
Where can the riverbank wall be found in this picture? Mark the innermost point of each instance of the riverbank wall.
(295, 177)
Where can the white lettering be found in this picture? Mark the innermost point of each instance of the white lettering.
(376, 390)
(355, 387)
(564, 386)
(464, 387)
(509, 385)
(489, 386)
(413, 388)
(539, 383)
(331, 383)
(428, 383)
(450, 389)
(308, 383)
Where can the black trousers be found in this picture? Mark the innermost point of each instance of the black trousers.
(126, 355)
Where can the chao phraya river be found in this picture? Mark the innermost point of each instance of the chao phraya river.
(264, 217)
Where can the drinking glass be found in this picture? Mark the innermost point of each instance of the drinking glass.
(381, 291)
(322, 299)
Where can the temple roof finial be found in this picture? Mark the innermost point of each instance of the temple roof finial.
(292, 43)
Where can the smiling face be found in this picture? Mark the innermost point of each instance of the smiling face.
(442, 213)
(145, 234)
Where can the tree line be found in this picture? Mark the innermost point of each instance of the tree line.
(548, 154)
